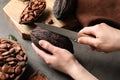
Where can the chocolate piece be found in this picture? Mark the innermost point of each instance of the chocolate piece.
(9, 60)
(54, 38)
(63, 8)
(33, 11)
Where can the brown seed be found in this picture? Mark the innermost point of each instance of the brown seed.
(22, 53)
(18, 70)
(1, 63)
(5, 68)
(10, 70)
(3, 50)
(3, 46)
(3, 76)
(5, 53)
(22, 64)
(9, 59)
(12, 75)
(11, 50)
(8, 45)
(50, 21)
(17, 47)
(1, 57)
(26, 16)
(4, 41)
(12, 63)
(20, 58)
(25, 57)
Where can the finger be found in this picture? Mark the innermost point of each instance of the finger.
(88, 41)
(88, 30)
(41, 53)
(48, 46)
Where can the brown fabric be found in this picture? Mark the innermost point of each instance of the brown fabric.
(91, 12)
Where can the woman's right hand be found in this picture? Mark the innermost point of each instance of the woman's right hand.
(106, 38)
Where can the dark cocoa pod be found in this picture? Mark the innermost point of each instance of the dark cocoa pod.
(63, 8)
(33, 11)
(54, 38)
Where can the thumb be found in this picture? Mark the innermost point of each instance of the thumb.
(41, 53)
(48, 46)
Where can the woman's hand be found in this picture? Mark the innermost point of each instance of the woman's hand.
(63, 60)
(106, 38)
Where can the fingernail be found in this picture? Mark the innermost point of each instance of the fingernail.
(41, 42)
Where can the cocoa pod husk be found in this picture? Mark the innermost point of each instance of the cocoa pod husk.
(32, 11)
(54, 38)
(64, 8)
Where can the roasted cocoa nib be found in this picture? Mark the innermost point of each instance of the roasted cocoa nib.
(64, 8)
(55, 39)
(33, 11)
(11, 57)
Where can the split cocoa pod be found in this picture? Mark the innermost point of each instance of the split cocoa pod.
(64, 8)
(33, 11)
(54, 38)
(13, 60)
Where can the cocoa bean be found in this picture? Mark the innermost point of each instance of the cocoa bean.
(3, 46)
(12, 50)
(10, 70)
(3, 50)
(17, 47)
(25, 57)
(22, 64)
(1, 57)
(22, 53)
(18, 70)
(12, 63)
(19, 58)
(5, 68)
(3, 76)
(50, 21)
(12, 76)
(5, 53)
(10, 57)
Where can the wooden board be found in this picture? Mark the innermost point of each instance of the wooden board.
(15, 7)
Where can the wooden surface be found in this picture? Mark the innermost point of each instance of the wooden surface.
(15, 7)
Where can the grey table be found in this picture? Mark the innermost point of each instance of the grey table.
(103, 66)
